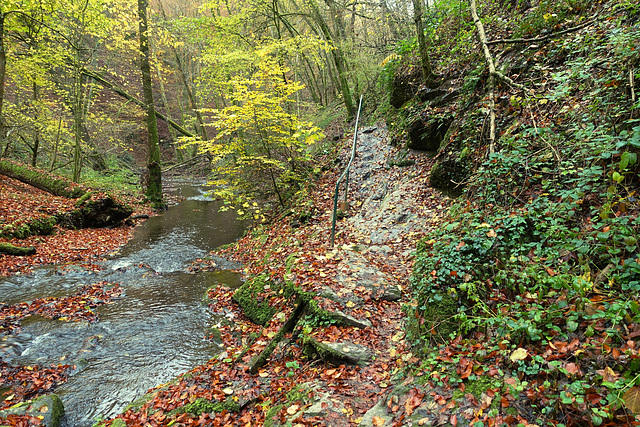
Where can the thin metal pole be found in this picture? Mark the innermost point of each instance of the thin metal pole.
(344, 174)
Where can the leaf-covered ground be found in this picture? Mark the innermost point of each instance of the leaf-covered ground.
(392, 207)
(21, 203)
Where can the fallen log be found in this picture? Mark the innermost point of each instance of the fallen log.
(9, 249)
(98, 213)
(261, 359)
(40, 179)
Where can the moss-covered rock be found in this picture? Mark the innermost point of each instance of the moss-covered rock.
(49, 407)
(9, 249)
(337, 353)
(205, 406)
(427, 134)
(102, 212)
(253, 298)
(449, 175)
(438, 318)
(35, 227)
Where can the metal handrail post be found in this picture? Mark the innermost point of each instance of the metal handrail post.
(344, 174)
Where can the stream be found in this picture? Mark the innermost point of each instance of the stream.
(153, 333)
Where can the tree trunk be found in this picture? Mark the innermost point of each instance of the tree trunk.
(3, 72)
(9, 249)
(154, 183)
(109, 85)
(427, 73)
(338, 60)
(77, 120)
(187, 87)
(41, 180)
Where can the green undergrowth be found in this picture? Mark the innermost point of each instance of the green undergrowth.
(536, 274)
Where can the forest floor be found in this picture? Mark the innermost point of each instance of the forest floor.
(363, 277)
(347, 351)
(21, 203)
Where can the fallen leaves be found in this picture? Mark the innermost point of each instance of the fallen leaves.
(78, 306)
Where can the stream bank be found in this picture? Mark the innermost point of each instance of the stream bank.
(327, 341)
(150, 334)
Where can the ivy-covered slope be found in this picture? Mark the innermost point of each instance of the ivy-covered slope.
(532, 288)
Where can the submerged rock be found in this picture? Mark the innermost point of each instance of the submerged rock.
(48, 408)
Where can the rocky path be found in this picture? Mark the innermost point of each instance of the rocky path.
(391, 208)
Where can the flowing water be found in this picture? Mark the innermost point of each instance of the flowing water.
(153, 333)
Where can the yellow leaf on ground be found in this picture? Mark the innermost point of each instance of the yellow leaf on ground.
(377, 421)
(632, 399)
(292, 409)
(518, 354)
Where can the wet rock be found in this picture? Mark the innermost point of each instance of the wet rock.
(49, 407)
(379, 412)
(348, 320)
(338, 353)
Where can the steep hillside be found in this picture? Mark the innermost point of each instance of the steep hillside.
(526, 301)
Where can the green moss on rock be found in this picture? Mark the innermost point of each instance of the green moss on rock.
(49, 406)
(40, 226)
(205, 406)
(253, 298)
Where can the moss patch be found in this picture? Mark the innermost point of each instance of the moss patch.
(205, 406)
(253, 301)
(40, 179)
(438, 318)
(41, 226)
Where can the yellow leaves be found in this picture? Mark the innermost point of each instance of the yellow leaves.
(608, 375)
(518, 354)
(632, 399)
(377, 421)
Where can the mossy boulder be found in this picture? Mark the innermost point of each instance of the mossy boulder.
(9, 249)
(49, 407)
(438, 319)
(205, 406)
(253, 297)
(102, 212)
(337, 353)
(404, 85)
(35, 227)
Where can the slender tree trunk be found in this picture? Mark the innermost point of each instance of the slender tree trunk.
(493, 75)
(154, 184)
(3, 72)
(187, 87)
(427, 73)
(338, 60)
(36, 132)
(77, 120)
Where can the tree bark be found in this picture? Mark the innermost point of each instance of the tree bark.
(41, 180)
(427, 73)
(187, 87)
(338, 60)
(3, 73)
(154, 183)
(261, 359)
(493, 74)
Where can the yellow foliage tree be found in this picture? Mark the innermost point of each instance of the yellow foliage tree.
(260, 148)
